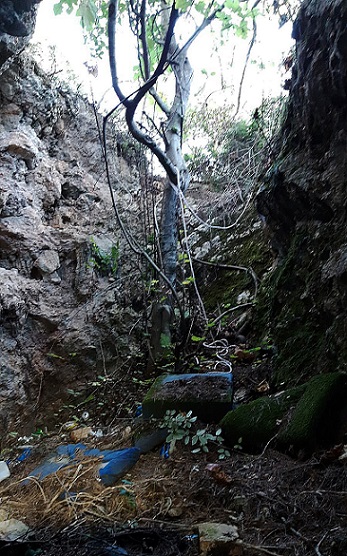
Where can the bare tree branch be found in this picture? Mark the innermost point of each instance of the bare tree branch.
(132, 104)
(143, 39)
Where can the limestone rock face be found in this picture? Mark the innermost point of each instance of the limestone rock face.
(17, 23)
(303, 202)
(60, 321)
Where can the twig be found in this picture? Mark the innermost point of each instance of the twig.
(242, 306)
(268, 444)
(233, 267)
(317, 551)
(300, 535)
(259, 549)
(212, 226)
(251, 44)
(187, 249)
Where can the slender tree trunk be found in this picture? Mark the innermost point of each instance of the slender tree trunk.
(162, 317)
(169, 232)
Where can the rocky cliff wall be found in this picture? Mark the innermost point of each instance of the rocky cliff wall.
(303, 302)
(59, 247)
(17, 24)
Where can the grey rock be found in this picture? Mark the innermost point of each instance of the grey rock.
(50, 293)
(48, 262)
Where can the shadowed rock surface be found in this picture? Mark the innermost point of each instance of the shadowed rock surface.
(303, 303)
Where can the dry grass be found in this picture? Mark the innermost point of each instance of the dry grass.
(279, 505)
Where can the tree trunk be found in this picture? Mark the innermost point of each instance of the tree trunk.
(161, 337)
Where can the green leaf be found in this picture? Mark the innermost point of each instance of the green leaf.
(58, 8)
(87, 12)
(242, 30)
(233, 5)
(188, 281)
(182, 5)
(87, 400)
(165, 340)
(200, 7)
(55, 356)
(197, 338)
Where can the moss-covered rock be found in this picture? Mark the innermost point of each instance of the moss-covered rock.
(290, 310)
(316, 420)
(303, 202)
(245, 247)
(258, 421)
(302, 418)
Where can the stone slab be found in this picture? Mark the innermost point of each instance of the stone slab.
(209, 396)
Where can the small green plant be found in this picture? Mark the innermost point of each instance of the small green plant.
(39, 433)
(105, 262)
(238, 445)
(180, 426)
(126, 490)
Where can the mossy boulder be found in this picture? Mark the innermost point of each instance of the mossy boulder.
(317, 418)
(258, 421)
(302, 418)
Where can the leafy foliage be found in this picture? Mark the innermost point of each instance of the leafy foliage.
(219, 144)
(181, 427)
(93, 17)
(105, 262)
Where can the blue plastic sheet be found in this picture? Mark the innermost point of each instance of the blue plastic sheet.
(118, 463)
(26, 453)
(115, 463)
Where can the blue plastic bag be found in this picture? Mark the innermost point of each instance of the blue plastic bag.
(117, 464)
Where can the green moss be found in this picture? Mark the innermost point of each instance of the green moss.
(249, 249)
(225, 289)
(289, 309)
(315, 418)
(258, 421)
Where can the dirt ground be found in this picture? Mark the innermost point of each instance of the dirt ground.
(279, 505)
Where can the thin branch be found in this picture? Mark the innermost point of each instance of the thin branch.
(232, 309)
(317, 548)
(207, 21)
(111, 27)
(162, 105)
(143, 39)
(258, 548)
(233, 267)
(146, 140)
(201, 303)
(131, 105)
(163, 61)
(251, 44)
(215, 227)
(131, 241)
